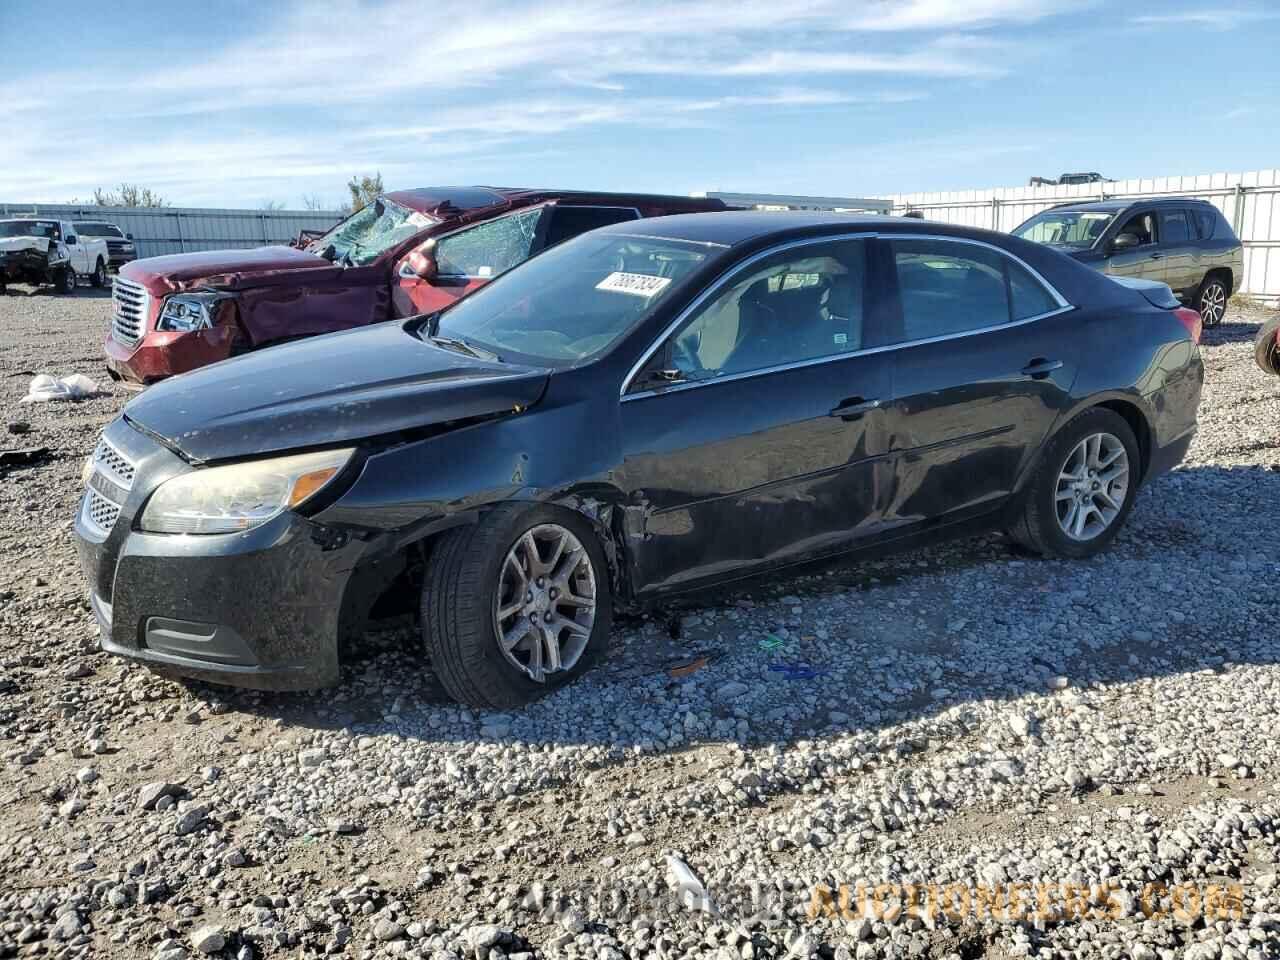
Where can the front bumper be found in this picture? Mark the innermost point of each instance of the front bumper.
(119, 259)
(258, 609)
(161, 354)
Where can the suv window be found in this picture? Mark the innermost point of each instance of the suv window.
(1143, 226)
(568, 222)
(948, 287)
(1174, 227)
(1206, 222)
(800, 304)
(489, 248)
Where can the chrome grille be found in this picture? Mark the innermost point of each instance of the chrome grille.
(107, 459)
(131, 306)
(109, 484)
(99, 513)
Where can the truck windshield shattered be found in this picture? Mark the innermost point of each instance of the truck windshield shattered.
(29, 228)
(367, 233)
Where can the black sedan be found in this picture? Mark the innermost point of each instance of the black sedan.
(635, 413)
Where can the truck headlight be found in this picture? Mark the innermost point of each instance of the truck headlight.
(240, 496)
(183, 314)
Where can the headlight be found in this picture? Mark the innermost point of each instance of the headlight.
(239, 496)
(183, 314)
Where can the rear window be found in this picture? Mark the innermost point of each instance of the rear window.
(98, 230)
(1207, 221)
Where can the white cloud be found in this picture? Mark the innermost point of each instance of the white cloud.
(1212, 18)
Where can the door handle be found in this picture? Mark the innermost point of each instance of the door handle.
(853, 407)
(1156, 256)
(1039, 368)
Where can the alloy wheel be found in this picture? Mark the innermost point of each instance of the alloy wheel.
(1213, 303)
(1092, 486)
(546, 602)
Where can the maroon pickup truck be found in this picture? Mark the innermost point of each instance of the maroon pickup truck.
(409, 252)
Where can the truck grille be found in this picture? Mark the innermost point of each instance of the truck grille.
(109, 484)
(131, 306)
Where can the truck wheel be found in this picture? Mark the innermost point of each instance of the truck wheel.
(99, 278)
(1211, 301)
(67, 280)
(1082, 489)
(516, 605)
(1266, 350)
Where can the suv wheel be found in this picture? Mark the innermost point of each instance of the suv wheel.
(99, 277)
(1266, 350)
(1082, 489)
(1211, 301)
(515, 606)
(67, 280)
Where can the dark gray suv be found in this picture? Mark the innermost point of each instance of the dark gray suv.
(1185, 243)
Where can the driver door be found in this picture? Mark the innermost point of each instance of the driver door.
(467, 259)
(1144, 261)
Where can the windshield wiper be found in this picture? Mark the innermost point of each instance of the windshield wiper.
(462, 346)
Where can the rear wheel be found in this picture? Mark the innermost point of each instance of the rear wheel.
(1266, 348)
(67, 280)
(1211, 300)
(1082, 489)
(99, 277)
(516, 605)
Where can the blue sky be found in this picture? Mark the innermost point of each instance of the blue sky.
(237, 103)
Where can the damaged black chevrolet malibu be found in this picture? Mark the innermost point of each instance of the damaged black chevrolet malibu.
(640, 411)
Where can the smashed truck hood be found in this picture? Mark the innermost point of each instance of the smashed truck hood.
(327, 390)
(15, 244)
(225, 269)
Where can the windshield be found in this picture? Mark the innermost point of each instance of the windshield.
(98, 230)
(370, 231)
(575, 300)
(29, 228)
(1065, 228)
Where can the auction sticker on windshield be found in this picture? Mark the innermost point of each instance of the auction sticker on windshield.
(638, 284)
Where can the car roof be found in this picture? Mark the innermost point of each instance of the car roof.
(1115, 206)
(742, 226)
(449, 202)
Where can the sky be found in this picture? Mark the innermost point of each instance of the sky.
(240, 103)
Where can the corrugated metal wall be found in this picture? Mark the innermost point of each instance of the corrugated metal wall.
(161, 230)
(1248, 201)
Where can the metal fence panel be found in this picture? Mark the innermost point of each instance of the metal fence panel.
(164, 230)
(1249, 201)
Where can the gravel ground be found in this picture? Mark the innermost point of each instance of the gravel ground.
(1095, 742)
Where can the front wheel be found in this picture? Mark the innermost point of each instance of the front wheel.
(99, 278)
(1211, 301)
(1082, 489)
(516, 605)
(67, 280)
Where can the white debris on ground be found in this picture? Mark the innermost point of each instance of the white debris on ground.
(1097, 739)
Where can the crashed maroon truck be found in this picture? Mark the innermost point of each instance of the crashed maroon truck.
(409, 252)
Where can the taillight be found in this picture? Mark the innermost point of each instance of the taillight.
(1191, 320)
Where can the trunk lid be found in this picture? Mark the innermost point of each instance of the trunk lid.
(325, 391)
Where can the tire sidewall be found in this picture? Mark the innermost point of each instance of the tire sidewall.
(67, 282)
(99, 275)
(1090, 422)
(525, 688)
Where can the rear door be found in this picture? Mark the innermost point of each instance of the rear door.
(983, 361)
(1180, 248)
(769, 445)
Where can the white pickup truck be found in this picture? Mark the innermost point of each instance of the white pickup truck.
(42, 250)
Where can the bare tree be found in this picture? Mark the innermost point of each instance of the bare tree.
(271, 205)
(129, 195)
(312, 201)
(364, 190)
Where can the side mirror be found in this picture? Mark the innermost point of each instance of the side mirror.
(422, 263)
(70, 239)
(1126, 241)
(128, 236)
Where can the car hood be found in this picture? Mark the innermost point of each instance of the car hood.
(15, 244)
(327, 390)
(227, 269)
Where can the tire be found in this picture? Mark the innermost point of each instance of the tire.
(67, 281)
(460, 615)
(1037, 524)
(99, 277)
(1211, 300)
(1266, 349)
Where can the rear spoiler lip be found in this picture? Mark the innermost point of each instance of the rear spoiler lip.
(1156, 293)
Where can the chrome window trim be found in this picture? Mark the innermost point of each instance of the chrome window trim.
(716, 285)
